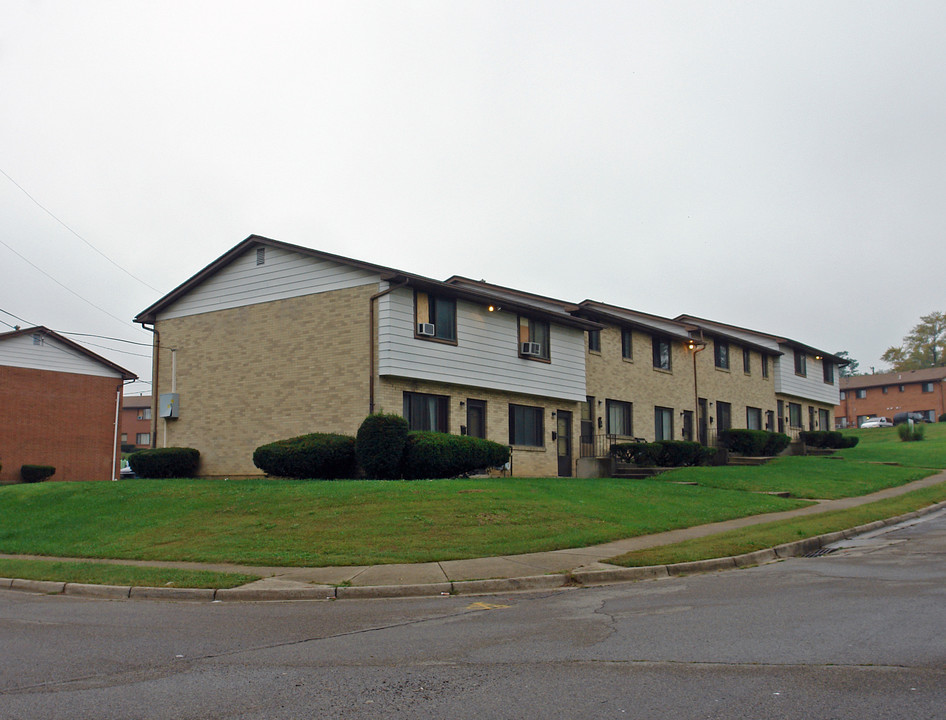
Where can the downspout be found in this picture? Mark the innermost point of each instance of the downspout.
(115, 448)
(155, 367)
(698, 347)
(371, 317)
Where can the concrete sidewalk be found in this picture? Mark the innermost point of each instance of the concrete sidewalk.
(538, 570)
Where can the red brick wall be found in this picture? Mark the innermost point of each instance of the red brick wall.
(60, 419)
(877, 403)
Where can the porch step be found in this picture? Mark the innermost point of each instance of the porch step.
(631, 472)
(749, 461)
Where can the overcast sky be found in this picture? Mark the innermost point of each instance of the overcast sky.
(775, 165)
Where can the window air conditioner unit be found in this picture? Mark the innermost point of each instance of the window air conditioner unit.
(531, 348)
(426, 329)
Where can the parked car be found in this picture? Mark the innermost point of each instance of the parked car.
(876, 422)
(907, 416)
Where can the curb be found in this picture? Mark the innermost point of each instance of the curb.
(575, 578)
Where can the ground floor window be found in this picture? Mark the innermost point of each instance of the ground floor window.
(753, 418)
(426, 412)
(663, 423)
(526, 426)
(794, 415)
(620, 419)
(723, 416)
(143, 439)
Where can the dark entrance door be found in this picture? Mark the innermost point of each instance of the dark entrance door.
(781, 415)
(688, 425)
(564, 442)
(703, 426)
(476, 418)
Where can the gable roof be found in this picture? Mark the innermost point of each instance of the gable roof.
(898, 377)
(482, 295)
(42, 330)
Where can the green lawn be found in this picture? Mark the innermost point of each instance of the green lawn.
(883, 445)
(284, 522)
(109, 574)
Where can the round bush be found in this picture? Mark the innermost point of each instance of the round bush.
(317, 455)
(172, 462)
(440, 455)
(379, 445)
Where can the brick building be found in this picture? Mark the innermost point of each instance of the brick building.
(60, 406)
(886, 394)
(273, 340)
(135, 421)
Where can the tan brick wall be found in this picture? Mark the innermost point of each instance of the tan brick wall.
(259, 373)
(612, 377)
(734, 385)
(526, 462)
(65, 420)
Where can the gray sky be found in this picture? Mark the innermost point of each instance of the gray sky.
(775, 165)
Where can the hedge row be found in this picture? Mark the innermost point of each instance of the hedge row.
(829, 439)
(754, 443)
(663, 453)
(172, 462)
(383, 449)
(36, 473)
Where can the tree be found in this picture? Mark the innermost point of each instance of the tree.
(923, 347)
(850, 369)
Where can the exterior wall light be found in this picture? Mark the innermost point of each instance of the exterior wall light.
(494, 308)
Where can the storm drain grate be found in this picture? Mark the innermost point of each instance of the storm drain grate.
(820, 551)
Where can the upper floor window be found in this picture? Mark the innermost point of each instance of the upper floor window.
(828, 369)
(746, 361)
(627, 344)
(436, 317)
(801, 363)
(765, 365)
(533, 338)
(884, 389)
(721, 354)
(927, 387)
(426, 412)
(662, 356)
(594, 340)
(144, 413)
(901, 388)
(843, 395)
(860, 394)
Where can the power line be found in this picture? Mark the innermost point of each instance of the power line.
(49, 212)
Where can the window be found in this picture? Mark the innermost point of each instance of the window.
(801, 363)
(883, 390)
(927, 387)
(663, 423)
(723, 416)
(144, 413)
(426, 412)
(662, 358)
(828, 370)
(440, 312)
(143, 439)
(526, 425)
(753, 418)
(124, 437)
(594, 340)
(900, 388)
(721, 354)
(765, 366)
(535, 333)
(620, 418)
(627, 344)
(746, 361)
(844, 394)
(261, 256)
(860, 394)
(794, 415)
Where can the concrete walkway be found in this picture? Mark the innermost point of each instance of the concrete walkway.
(510, 572)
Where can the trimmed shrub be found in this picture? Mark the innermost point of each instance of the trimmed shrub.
(664, 453)
(848, 441)
(911, 434)
(827, 439)
(942, 418)
(440, 455)
(379, 445)
(172, 462)
(747, 442)
(317, 455)
(128, 448)
(36, 473)
(775, 443)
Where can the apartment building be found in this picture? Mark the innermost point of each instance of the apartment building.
(135, 422)
(60, 407)
(273, 340)
(886, 394)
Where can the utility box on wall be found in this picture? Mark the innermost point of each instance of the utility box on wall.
(169, 405)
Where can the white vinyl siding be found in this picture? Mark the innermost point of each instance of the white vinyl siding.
(283, 275)
(811, 387)
(22, 352)
(486, 354)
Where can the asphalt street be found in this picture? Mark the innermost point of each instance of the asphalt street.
(857, 633)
